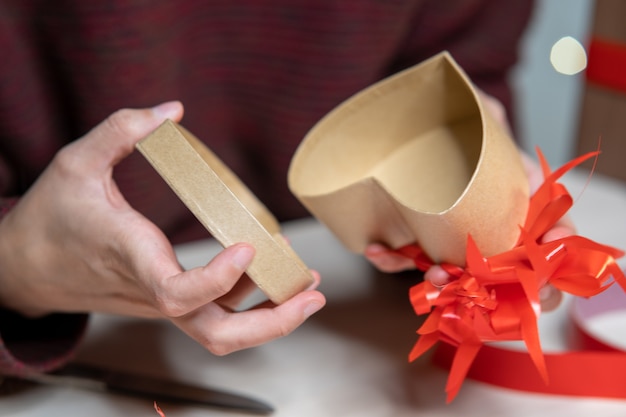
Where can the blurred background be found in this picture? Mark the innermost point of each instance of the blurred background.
(549, 103)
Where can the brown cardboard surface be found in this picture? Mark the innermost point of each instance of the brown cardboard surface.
(226, 207)
(415, 157)
(603, 123)
(603, 110)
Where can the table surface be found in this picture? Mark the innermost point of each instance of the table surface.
(350, 359)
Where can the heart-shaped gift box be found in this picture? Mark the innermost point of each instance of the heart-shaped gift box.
(416, 157)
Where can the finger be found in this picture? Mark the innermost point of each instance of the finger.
(245, 286)
(223, 332)
(563, 228)
(115, 138)
(182, 293)
(387, 260)
(240, 291)
(316, 279)
(313, 286)
(533, 172)
(550, 298)
(437, 276)
(270, 304)
(497, 110)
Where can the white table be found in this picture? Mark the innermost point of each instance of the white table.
(350, 359)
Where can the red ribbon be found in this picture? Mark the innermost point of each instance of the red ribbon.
(592, 368)
(497, 298)
(606, 65)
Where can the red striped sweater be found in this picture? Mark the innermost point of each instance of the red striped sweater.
(253, 75)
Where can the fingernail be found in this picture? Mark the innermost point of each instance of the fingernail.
(375, 249)
(167, 110)
(243, 257)
(545, 293)
(312, 308)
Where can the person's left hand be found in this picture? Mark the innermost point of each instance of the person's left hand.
(74, 244)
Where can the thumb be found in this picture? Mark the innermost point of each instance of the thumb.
(115, 138)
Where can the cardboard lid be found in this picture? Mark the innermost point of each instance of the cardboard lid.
(226, 207)
(414, 158)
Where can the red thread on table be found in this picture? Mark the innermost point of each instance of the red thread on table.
(606, 64)
(496, 298)
(158, 409)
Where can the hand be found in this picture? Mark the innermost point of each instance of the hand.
(388, 261)
(73, 244)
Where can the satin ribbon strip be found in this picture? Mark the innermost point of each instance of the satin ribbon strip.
(594, 368)
(497, 298)
(606, 64)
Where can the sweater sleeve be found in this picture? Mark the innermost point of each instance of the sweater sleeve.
(483, 36)
(38, 345)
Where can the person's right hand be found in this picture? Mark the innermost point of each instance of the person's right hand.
(73, 244)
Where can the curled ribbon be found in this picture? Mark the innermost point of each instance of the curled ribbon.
(496, 298)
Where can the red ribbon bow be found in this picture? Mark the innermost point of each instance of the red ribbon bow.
(497, 298)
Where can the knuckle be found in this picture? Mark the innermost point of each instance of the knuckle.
(68, 162)
(121, 122)
(217, 345)
(64, 159)
(282, 327)
(283, 331)
(169, 307)
(220, 281)
(67, 158)
(222, 286)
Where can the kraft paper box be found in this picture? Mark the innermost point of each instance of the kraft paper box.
(414, 158)
(226, 207)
